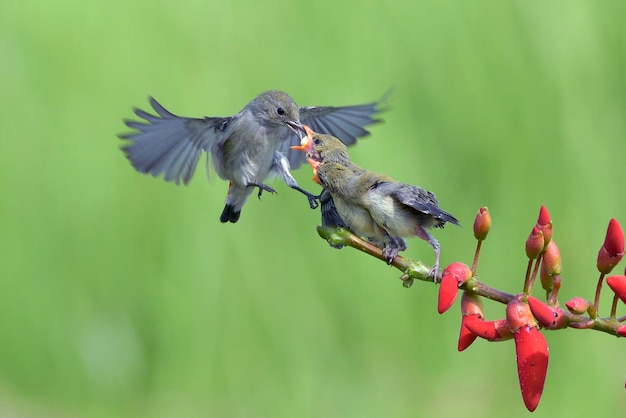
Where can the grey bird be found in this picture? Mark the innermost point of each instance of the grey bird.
(370, 204)
(245, 148)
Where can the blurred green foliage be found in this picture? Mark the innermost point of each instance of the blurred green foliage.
(122, 295)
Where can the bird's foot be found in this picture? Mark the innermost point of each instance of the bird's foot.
(313, 200)
(434, 272)
(393, 246)
(390, 254)
(262, 187)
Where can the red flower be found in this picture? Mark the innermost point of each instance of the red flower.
(472, 310)
(482, 224)
(447, 293)
(544, 224)
(494, 331)
(577, 305)
(453, 276)
(534, 243)
(618, 285)
(549, 316)
(614, 239)
(612, 250)
(544, 216)
(552, 259)
(621, 331)
(518, 314)
(550, 266)
(466, 336)
(531, 349)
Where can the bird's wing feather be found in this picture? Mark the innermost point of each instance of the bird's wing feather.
(416, 198)
(171, 145)
(346, 123)
(330, 216)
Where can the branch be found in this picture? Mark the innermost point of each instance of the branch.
(416, 270)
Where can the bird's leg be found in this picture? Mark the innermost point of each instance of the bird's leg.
(261, 187)
(423, 234)
(312, 198)
(281, 165)
(393, 247)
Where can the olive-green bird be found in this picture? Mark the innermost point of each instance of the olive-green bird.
(372, 205)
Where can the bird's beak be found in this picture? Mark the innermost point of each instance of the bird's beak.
(314, 164)
(305, 141)
(296, 126)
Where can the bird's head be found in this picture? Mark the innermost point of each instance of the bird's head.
(276, 108)
(321, 147)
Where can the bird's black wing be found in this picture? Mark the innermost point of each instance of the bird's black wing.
(346, 123)
(171, 145)
(417, 198)
(330, 216)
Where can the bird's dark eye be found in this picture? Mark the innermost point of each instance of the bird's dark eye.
(317, 142)
(280, 111)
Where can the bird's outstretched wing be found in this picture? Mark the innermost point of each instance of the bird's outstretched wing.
(417, 198)
(170, 145)
(346, 123)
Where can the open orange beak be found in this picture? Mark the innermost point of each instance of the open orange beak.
(314, 164)
(305, 141)
(306, 146)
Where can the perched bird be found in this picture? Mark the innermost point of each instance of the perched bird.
(245, 148)
(370, 204)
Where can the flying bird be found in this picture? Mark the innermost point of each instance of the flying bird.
(245, 148)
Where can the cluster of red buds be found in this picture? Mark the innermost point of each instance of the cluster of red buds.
(526, 316)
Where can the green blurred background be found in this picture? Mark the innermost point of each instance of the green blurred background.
(123, 296)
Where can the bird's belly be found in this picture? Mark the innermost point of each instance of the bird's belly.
(394, 217)
(246, 160)
(357, 218)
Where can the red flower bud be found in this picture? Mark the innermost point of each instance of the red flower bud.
(544, 224)
(531, 349)
(447, 292)
(482, 224)
(621, 331)
(461, 272)
(481, 328)
(577, 305)
(547, 282)
(518, 315)
(618, 285)
(549, 316)
(614, 239)
(534, 243)
(466, 336)
(612, 250)
(471, 304)
(472, 310)
(490, 330)
(544, 216)
(453, 276)
(605, 262)
(552, 259)
(550, 267)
